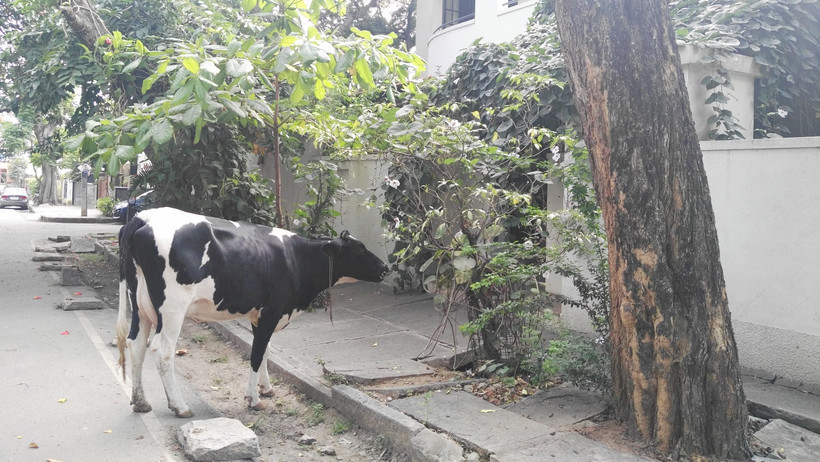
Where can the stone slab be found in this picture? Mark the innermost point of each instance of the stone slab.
(83, 245)
(471, 420)
(70, 276)
(219, 439)
(50, 247)
(371, 371)
(799, 444)
(772, 401)
(48, 256)
(367, 296)
(54, 265)
(560, 407)
(564, 447)
(81, 303)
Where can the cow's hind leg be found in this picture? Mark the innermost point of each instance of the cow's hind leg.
(137, 348)
(265, 388)
(164, 344)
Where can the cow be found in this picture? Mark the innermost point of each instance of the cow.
(175, 264)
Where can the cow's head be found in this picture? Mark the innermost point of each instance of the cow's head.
(352, 259)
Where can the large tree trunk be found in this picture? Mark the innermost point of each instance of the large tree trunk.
(675, 369)
(43, 132)
(84, 21)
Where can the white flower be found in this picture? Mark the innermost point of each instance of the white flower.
(528, 244)
(297, 222)
(556, 153)
(546, 275)
(394, 183)
(782, 113)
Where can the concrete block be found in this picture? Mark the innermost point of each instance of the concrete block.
(70, 276)
(47, 256)
(82, 303)
(430, 446)
(798, 444)
(83, 245)
(54, 266)
(218, 439)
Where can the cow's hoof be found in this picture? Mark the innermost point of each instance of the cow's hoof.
(266, 393)
(141, 407)
(261, 405)
(184, 414)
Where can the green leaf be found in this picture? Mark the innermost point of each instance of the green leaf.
(344, 63)
(192, 115)
(199, 124)
(162, 132)
(209, 67)
(238, 67)
(363, 74)
(149, 82)
(191, 64)
(248, 5)
(233, 47)
(319, 89)
(183, 93)
(132, 65)
(234, 107)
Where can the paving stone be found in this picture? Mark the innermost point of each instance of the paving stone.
(47, 256)
(70, 276)
(81, 303)
(54, 265)
(218, 439)
(559, 407)
(431, 447)
(48, 246)
(371, 371)
(83, 245)
(800, 445)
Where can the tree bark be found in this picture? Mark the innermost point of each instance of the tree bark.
(676, 378)
(44, 131)
(84, 21)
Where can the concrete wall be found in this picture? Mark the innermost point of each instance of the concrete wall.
(764, 193)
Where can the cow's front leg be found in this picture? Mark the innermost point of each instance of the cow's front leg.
(172, 326)
(259, 355)
(265, 388)
(137, 347)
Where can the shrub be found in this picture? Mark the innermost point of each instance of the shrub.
(106, 206)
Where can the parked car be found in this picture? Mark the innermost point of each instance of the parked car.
(14, 197)
(136, 204)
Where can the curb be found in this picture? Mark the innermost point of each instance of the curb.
(93, 220)
(403, 432)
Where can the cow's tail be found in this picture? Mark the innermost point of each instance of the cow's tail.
(128, 279)
(122, 323)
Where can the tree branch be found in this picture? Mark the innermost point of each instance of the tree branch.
(84, 21)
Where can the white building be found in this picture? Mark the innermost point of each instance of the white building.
(763, 195)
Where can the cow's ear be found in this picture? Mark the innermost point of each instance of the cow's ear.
(345, 235)
(331, 249)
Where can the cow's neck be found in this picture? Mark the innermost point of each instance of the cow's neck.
(316, 276)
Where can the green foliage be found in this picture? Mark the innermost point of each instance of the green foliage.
(725, 124)
(247, 86)
(106, 205)
(783, 36)
(582, 361)
(340, 427)
(324, 187)
(316, 415)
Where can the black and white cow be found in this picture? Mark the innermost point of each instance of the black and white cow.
(175, 264)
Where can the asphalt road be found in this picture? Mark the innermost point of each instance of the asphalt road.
(61, 390)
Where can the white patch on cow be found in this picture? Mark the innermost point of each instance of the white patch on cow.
(235, 224)
(281, 233)
(164, 223)
(286, 319)
(205, 256)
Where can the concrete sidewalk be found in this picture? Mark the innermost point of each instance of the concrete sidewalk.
(379, 336)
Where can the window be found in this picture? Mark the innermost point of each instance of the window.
(510, 3)
(456, 11)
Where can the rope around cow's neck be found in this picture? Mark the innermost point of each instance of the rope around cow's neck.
(329, 301)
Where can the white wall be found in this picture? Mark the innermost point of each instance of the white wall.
(493, 22)
(765, 193)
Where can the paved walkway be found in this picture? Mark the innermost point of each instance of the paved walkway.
(376, 335)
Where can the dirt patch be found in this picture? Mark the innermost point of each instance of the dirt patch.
(219, 373)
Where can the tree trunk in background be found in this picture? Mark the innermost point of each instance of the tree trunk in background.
(84, 21)
(675, 369)
(43, 132)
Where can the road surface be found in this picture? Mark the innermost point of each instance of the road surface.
(63, 397)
